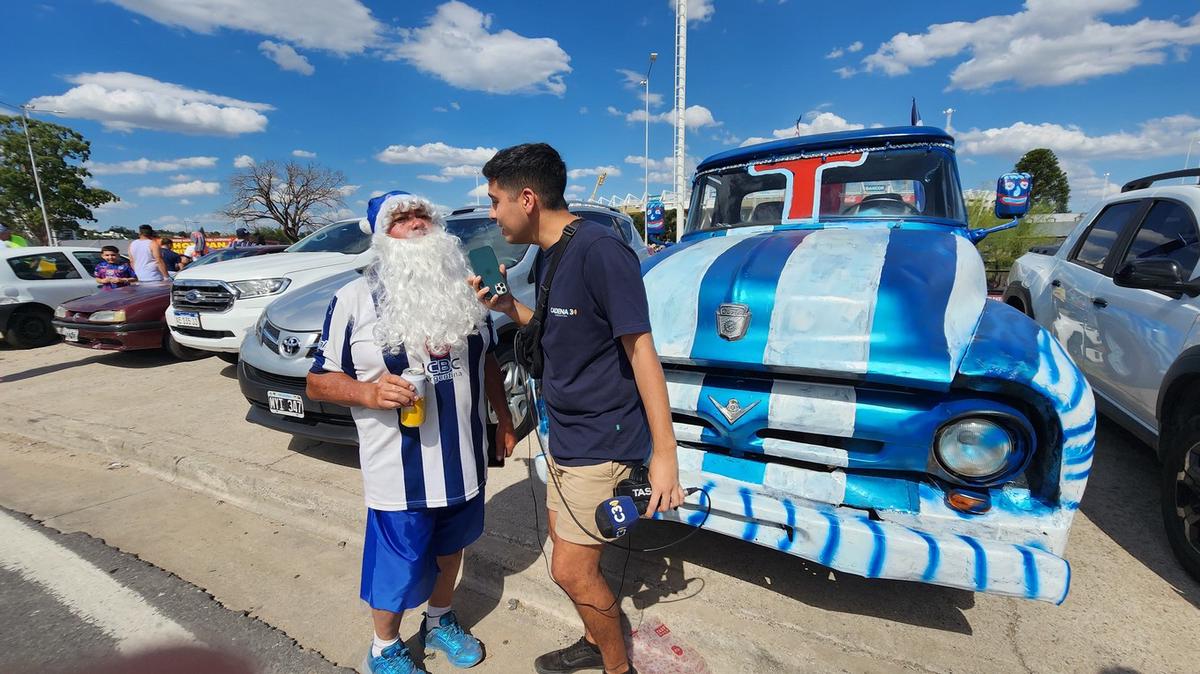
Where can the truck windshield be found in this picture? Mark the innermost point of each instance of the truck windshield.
(869, 184)
(340, 237)
(480, 232)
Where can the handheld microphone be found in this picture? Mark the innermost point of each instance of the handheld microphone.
(617, 516)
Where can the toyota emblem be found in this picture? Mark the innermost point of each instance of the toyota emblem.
(291, 346)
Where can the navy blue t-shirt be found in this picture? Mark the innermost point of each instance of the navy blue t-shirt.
(596, 297)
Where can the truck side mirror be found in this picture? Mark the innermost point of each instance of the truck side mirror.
(1012, 195)
(1161, 274)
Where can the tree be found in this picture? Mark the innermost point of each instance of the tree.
(1001, 249)
(295, 200)
(1050, 184)
(60, 153)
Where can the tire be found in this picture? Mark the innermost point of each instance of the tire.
(514, 389)
(231, 358)
(29, 327)
(181, 352)
(1181, 495)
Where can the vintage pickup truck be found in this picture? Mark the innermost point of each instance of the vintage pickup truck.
(842, 388)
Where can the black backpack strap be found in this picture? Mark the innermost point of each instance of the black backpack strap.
(543, 299)
(529, 338)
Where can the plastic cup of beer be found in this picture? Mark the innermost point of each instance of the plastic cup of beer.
(414, 416)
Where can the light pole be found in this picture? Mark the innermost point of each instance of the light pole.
(646, 151)
(37, 183)
(1188, 160)
(948, 112)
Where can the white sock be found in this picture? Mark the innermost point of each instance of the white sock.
(377, 645)
(433, 615)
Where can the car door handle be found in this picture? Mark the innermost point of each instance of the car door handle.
(1100, 302)
(1056, 283)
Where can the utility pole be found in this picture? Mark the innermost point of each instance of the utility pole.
(680, 107)
(646, 148)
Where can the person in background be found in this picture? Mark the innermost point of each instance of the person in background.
(173, 260)
(111, 273)
(6, 238)
(145, 256)
(242, 240)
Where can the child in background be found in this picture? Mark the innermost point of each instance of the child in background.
(112, 273)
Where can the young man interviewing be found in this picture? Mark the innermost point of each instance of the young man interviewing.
(602, 383)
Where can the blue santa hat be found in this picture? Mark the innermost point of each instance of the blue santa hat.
(381, 208)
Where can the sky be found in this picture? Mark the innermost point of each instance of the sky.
(177, 95)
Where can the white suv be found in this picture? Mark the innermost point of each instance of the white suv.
(214, 306)
(1122, 295)
(33, 282)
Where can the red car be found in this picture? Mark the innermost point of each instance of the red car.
(131, 318)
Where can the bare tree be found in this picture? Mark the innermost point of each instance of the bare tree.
(295, 199)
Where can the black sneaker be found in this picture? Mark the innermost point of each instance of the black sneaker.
(578, 656)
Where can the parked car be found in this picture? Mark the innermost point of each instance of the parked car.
(276, 357)
(234, 252)
(214, 306)
(842, 389)
(1121, 295)
(33, 282)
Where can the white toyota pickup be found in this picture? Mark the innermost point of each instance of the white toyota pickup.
(214, 306)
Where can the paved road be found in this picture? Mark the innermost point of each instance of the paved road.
(70, 601)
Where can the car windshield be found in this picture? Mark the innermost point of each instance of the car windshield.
(480, 232)
(223, 254)
(874, 184)
(340, 237)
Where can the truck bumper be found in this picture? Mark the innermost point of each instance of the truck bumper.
(116, 336)
(219, 331)
(852, 541)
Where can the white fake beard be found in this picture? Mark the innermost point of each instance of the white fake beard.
(423, 300)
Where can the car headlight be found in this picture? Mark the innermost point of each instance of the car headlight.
(974, 448)
(260, 287)
(60, 312)
(108, 316)
(258, 326)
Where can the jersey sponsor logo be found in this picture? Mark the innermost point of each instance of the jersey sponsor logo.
(444, 369)
(565, 313)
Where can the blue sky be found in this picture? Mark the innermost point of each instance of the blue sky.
(416, 95)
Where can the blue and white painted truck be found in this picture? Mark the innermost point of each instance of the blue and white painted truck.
(841, 386)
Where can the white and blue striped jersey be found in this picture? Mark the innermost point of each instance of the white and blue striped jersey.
(441, 463)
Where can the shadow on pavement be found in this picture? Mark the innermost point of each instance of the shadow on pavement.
(133, 360)
(342, 455)
(1123, 500)
(654, 578)
(229, 372)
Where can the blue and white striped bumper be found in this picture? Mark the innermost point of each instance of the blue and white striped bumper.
(847, 539)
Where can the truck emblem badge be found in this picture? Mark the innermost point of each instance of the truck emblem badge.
(291, 346)
(192, 296)
(732, 321)
(733, 410)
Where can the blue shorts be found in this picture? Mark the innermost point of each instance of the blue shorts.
(402, 546)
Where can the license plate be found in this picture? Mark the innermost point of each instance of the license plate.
(69, 334)
(286, 404)
(187, 319)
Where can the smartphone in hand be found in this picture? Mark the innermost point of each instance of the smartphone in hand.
(484, 263)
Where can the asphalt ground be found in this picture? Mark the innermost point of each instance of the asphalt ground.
(176, 433)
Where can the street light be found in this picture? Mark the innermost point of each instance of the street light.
(646, 152)
(37, 183)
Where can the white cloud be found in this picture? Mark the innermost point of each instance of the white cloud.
(115, 206)
(836, 53)
(124, 101)
(575, 174)
(435, 178)
(694, 117)
(479, 192)
(340, 26)
(304, 154)
(855, 46)
(243, 161)
(455, 105)
(286, 57)
(438, 154)
(697, 10)
(583, 110)
(839, 52)
(347, 190)
(662, 170)
(812, 122)
(1017, 47)
(145, 165)
(845, 72)
(181, 178)
(440, 108)
(457, 47)
(194, 188)
(461, 171)
(1159, 137)
(185, 202)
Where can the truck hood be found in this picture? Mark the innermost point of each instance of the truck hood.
(890, 305)
(304, 309)
(122, 298)
(267, 266)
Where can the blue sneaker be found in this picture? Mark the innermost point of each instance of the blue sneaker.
(395, 659)
(462, 649)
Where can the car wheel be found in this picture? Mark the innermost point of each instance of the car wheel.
(29, 327)
(231, 358)
(1181, 496)
(180, 351)
(514, 390)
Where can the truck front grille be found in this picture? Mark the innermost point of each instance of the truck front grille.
(206, 296)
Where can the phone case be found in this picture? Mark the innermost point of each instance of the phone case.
(484, 263)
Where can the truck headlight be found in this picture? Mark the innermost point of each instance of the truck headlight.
(108, 316)
(974, 448)
(260, 287)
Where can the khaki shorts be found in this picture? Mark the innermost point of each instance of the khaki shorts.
(583, 488)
